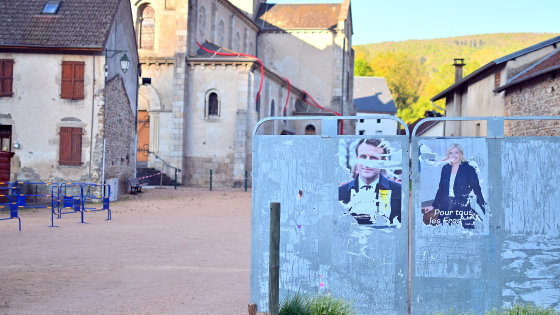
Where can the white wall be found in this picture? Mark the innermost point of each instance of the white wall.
(373, 127)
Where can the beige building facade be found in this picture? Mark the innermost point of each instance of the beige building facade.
(202, 106)
(66, 97)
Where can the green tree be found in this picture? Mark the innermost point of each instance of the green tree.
(361, 68)
(404, 74)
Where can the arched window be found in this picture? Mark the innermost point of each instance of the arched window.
(202, 20)
(310, 130)
(212, 104)
(272, 109)
(146, 27)
(258, 105)
(221, 33)
(250, 48)
(237, 42)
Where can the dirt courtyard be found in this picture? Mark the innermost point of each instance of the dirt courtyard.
(165, 251)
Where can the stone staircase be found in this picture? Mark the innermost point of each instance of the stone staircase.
(168, 179)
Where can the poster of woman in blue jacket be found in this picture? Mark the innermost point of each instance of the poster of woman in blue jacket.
(458, 198)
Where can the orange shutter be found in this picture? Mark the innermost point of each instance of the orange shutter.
(7, 75)
(76, 152)
(65, 146)
(66, 82)
(79, 68)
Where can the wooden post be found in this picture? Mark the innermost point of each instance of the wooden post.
(274, 260)
(253, 309)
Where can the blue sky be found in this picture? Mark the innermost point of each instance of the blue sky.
(377, 21)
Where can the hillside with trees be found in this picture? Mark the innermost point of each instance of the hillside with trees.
(417, 70)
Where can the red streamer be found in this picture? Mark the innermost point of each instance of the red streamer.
(240, 54)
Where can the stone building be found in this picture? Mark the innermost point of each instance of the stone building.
(534, 92)
(200, 108)
(61, 96)
(477, 94)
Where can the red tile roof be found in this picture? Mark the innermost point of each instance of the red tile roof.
(78, 23)
(544, 66)
(550, 62)
(298, 16)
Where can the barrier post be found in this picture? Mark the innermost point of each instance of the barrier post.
(175, 179)
(210, 179)
(245, 180)
(274, 259)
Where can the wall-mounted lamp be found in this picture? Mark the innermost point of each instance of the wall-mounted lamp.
(17, 145)
(125, 62)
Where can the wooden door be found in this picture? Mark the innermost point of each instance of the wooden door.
(143, 136)
(5, 154)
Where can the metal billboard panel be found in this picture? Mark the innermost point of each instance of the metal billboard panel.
(327, 246)
(510, 252)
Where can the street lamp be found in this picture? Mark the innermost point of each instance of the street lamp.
(125, 62)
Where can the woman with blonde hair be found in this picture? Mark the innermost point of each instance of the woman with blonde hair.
(457, 184)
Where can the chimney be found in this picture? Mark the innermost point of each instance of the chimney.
(459, 64)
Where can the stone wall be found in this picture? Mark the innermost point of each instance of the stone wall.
(536, 97)
(119, 130)
(197, 171)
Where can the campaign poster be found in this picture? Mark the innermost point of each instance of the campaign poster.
(372, 193)
(454, 183)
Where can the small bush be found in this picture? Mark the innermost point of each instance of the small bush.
(328, 305)
(317, 305)
(525, 309)
(294, 306)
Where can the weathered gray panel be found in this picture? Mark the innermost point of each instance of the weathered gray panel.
(453, 267)
(322, 249)
(531, 251)
(511, 256)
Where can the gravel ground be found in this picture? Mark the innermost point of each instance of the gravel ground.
(165, 251)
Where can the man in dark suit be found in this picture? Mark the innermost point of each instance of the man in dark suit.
(370, 196)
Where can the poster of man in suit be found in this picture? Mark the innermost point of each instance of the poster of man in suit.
(373, 193)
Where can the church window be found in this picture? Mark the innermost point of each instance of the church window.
(250, 48)
(212, 104)
(202, 20)
(310, 130)
(272, 109)
(221, 33)
(236, 42)
(258, 105)
(146, 27)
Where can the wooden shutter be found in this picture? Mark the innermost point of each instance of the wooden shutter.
(7, 77)
(76, 151)
(70, 150)
(79, 68)
(65, 146)
(67, 80)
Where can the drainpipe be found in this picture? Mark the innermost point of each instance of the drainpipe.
(92, 117)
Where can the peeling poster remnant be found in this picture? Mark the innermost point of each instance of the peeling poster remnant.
(373, 194)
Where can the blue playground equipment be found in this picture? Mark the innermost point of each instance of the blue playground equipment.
(65, 198)
(13, 209)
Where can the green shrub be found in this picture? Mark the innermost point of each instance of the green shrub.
(294, 306)
(317, 305)
(525, 309)
(328, 305)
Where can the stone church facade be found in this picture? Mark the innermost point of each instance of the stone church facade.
(201, 107)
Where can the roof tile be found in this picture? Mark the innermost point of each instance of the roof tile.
(298, 16)
(78, 23)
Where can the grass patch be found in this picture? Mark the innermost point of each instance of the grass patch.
(316, 305)
(516, 309)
